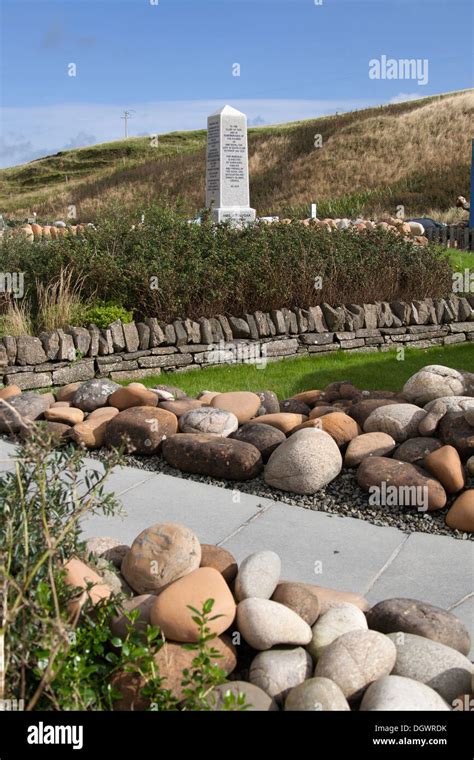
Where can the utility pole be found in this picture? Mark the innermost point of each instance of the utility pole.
(126, 116)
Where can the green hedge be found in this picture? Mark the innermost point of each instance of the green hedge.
(170, 268)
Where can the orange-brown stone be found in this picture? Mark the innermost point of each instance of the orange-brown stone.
(134, 394)
(461, 514)
(220, 559)
(173, 658)
(68, 414)
(340, 426)
(9, 392)
(284, 421)
(66, 393)
(445, 464)
(79, 575)
(171, 609)
(243, 404)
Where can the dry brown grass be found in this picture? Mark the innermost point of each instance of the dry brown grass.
(59, 302)
(415, 153)
(382, 150)
(15, 318)
(451, 216)
(376, 153)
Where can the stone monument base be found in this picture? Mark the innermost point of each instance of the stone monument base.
(234, 214)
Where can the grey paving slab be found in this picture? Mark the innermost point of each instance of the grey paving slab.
(7, 450)
(122, 479)
(437, 569)
(338, 552)
(119, 481)
(213, 513)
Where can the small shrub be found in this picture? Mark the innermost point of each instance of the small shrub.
(50, 659)
(103, 315)
(40, 510)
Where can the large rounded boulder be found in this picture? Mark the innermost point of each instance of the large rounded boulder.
(278, 670)
(356, 659)
(141, 429)
(461, 513)
(420, 618)
(340, 427)
(171, 611)
(94, 393)
(400, 421)
(304, 463)
(368, 445)
(393, 483)
(265, 438)
(455, 430)
(134, 394)
(265, 624)
(91, 433)
(213, 456)
(19, 410)
(243, 404)
(396, 693)
(160, 555)
(208, 421)
(432, 382)
(440, 667)
(416, 449)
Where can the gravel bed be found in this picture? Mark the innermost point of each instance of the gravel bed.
(342, 496)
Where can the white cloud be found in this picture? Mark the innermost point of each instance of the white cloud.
(49, 129)
(404, 96)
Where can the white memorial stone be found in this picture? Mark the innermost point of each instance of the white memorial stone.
(227, 176)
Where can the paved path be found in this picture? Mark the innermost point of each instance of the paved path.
(338, 552)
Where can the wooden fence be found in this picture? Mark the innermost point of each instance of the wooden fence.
(452, 237)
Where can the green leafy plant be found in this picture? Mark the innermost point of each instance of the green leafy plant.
(200, 679)
(103, 315)
(205, 673)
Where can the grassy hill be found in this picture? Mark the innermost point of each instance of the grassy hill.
(415, 153)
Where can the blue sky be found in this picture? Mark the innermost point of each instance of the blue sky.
(172, 63)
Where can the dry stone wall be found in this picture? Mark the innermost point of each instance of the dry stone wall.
(137, 350)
